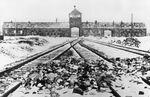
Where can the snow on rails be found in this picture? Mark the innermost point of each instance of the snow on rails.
(84, 51)
(14, 66)
(80, 49)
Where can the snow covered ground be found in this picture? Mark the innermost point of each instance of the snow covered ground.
(20, 47)
(64, 92)
(127, 85)
(144, 45)
(131, 85)
(111, 52)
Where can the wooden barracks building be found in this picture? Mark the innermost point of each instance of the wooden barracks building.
(74, 28)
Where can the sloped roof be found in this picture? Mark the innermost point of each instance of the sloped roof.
(36, 25)
(75, 12)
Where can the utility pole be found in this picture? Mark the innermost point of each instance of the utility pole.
(15, 28)
(113, 31)
(132, 25)
(56, 20)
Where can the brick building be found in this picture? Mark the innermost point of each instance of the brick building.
(74, 28)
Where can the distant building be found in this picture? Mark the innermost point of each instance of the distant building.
(74, 28)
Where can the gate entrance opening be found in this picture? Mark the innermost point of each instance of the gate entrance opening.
(75, 32)
(107, 33)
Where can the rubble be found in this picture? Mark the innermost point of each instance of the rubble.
(127, 77)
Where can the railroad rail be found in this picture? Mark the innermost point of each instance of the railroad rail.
(78, 52)
(113, 91)
(20, 63)
(128, 49)
(72, 44)
(96, 52)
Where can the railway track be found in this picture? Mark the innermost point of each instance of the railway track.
(86, 52)
(98, 53)
(82, 50)
(78, 48)
(18, 64)
(128, 49)
(29, 63)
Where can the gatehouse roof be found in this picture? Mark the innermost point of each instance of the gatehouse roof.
(75, 12)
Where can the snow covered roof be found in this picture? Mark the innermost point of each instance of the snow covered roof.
(36, 25)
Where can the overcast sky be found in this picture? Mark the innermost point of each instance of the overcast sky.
(49, 10)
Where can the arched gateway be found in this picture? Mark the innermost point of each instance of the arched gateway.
(107, 33)
(75, 32)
